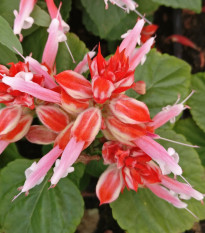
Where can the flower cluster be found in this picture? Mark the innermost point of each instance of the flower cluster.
(73, 110)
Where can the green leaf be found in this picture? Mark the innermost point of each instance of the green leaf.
(41, 18)
(11, 153)
(7, 36)
(111, 23)
(65, 9)
(7, 55)
(143, 212)
(35, 43)
(78, 49)
(95, 168)
(194, 5)
(7, 8)
(197, 101)
(193, 134)
(165, 77)
(48, 211)
(78, 173)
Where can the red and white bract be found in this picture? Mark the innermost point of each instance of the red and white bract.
(39, 134)
(23, 19)
(71, 105)
(9, 118)
(52, 117)
(74, 84)
(20, 130)
(129, 110)
(109, 185)
(124, 133)
(87, 125)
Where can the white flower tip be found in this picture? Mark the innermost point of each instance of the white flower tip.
(16, 196)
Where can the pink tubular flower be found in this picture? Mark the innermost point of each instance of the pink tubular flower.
(23, 19)
(132, 168)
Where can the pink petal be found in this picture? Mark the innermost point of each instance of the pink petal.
(130, 42)
(141, 52)
(181, 188)
(25, 10)
(83, 65)
(43, 166)
(39, 134)
(166, 195)
(36, 68)
(51, 47)
(32, 88)
(109, 185)
(69, 156)
(158, 153)
(166, 115)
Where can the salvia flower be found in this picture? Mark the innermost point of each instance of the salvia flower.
(22, 18)
(132, 168)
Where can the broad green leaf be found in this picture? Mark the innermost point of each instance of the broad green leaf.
(41, 18)
(35, 43)
(111, 23)
(166, 77)
(48, 211)
(7, 8)
(78, 49)
(197, 101)
(78, 173)
(7, 55)
(194, 5)
(95, 168)
(11, 153)
(193, 134)
(7, 37)
(143, 212)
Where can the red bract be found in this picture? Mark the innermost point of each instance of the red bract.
(132, 168)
